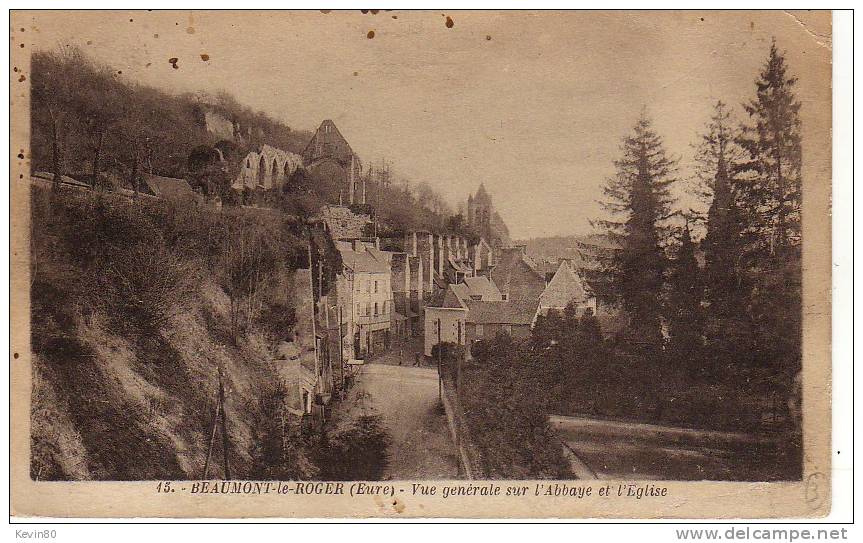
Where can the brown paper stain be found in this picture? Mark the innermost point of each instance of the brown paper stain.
(371, 34)
(449, 22)
(205, 57)
(173, 62)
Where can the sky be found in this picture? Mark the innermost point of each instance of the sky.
(532, 104)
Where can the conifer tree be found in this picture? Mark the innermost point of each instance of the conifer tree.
(718, 157)
(639, 196)
(685, 315)
(770, 201)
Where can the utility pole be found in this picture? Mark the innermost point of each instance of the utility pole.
(439, 374)
(225, 440)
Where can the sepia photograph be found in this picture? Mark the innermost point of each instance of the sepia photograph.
(421, 255)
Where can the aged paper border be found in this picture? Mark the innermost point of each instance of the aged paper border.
(808, 498)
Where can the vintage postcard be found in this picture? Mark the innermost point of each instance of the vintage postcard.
(468, 264)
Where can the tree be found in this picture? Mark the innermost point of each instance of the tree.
(56, 78)
(772, 141)
(718, 162)
(685, 315)
(640, 192)
(771, 197)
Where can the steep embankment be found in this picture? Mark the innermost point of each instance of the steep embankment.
(130, 325)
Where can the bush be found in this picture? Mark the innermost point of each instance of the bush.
(357, 454)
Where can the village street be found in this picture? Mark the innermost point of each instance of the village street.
(407, 398)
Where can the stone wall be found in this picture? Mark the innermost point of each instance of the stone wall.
(469, 458)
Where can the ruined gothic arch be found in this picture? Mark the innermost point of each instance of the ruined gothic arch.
(262, 171)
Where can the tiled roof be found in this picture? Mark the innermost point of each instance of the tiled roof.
(482, 286)
(515, 276)
(563, 288)
(363, 262)
(169, 187)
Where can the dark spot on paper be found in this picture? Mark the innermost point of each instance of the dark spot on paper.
(15, 356)
(205, 57)
(325, 11)
(15, 69)
(356, 73)
(89, 42)
(119, 72)
(148, 65)
(173, 62)
(190, 30)
(488, 38)
(155, 35)
(22, 46)
(21, 156)
(449, 23)
(395, 16)
(131, 20)
(751, 25)
(374, 11)
(371, 34)
(22, 79)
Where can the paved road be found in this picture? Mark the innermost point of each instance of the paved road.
(407, 398)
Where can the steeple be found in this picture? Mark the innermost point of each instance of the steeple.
(481, 194)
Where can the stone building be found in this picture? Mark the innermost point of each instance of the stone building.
(267, 168)
(482, 217)
(329, 159)
(564, 288)
(366, 297)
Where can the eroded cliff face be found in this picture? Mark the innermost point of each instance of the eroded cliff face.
(110, 407)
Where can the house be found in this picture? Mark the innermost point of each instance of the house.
(486, 319)
(444, 325)
(565, 287)
(168, 188)
(366, 296)
(298, 367)
(472, 288)
(516, 275)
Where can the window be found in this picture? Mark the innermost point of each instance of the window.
(358, 309)
(376, 287)
(368, 309)
(479, 330)
(376, 309)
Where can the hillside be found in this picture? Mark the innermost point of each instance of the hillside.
(554, 248)
(102, 122)
(135, 307)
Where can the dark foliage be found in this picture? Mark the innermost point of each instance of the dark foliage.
(502, 392)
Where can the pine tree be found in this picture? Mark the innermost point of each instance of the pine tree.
(640, 192)
(718, 157)
(770, 202)
(772, 140)
(685, 315)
